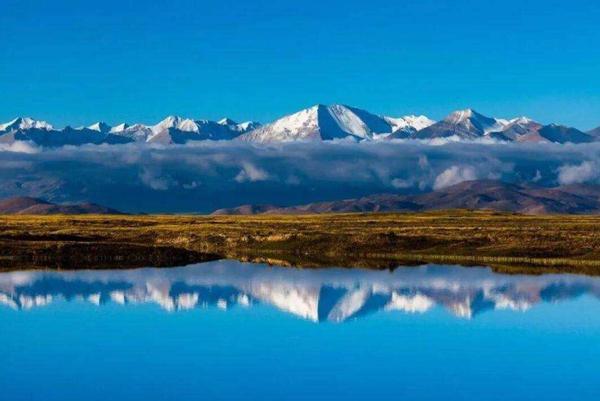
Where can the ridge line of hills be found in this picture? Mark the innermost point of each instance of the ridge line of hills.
(35, 206)
(316, 123)
(478, 194)
(475, 195)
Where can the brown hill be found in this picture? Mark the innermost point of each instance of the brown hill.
(26, 205)
(481, 194)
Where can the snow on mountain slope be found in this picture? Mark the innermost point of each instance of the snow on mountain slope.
(321, 122)
(135, 132)
(119, 128)
(100, 127)
(316, 123)
(25, 123)
(175, 129)
(473, 120)
(302, 125)
(180, 123)
(463, 124)
(413, 122)
(522, 129)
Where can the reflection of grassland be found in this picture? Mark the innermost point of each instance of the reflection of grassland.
(534, 243)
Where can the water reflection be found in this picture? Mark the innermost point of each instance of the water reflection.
(334, 295)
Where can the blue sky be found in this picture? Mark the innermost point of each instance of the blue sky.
(69, 61)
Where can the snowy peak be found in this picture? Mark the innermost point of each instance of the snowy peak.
(302, 125)
(119, 128)
(180, 123)
(406, 127)
(317, 123)
(523, 120)
(410, 123)
(473, 120)
(462, 116)
(24, 123)
(174, 129)
(321, 122)
(359, 123)
(238, 127)
(248, 126)
(463, 124)
(101, 127)
(227, 121)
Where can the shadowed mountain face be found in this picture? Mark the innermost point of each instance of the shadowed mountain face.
(321, 295)
(480, 194)
(595, 132)
(26, 205)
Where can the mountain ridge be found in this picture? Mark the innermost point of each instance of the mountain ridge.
(316, 123)
(477, 194)
(35, 206)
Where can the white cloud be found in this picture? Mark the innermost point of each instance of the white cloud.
(454, 175)
(251, 173)
(155, 181)
(201, 177)
(19, 147)
(577, 174)
(399, 183)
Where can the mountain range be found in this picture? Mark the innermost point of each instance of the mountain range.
(26, 205)
(479, 194)
(316, 123)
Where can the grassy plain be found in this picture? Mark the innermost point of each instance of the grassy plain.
(507, 242)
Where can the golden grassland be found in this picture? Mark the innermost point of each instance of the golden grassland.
(507, 242)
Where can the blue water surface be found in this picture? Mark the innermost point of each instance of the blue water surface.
(232, 331)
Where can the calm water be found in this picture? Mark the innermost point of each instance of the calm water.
(229, 330)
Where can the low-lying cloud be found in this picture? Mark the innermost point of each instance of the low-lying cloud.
(579, 173)
(454, 175)
(204, 176)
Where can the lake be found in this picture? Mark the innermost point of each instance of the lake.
(229, 330)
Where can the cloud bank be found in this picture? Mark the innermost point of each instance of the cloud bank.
(204, 176)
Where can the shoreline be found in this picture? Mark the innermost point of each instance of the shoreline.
(505, 241)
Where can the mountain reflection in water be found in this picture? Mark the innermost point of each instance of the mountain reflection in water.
(319, 295)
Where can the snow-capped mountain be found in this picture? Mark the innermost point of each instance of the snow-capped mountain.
(321, 122)
(406, 127)
(101, 127)
(522, 129)
(464, 124)
(246, 126)
(470, 125)
(172, 129)
(119, 128)
(316, 123)
(24, 123)
(175, 129)
(416, 123)
(133, 133)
